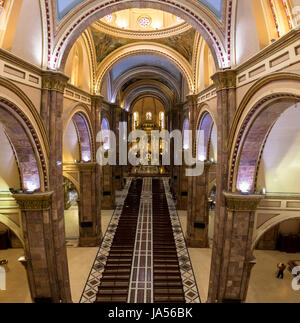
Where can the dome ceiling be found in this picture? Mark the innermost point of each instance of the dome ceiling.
(142, 20)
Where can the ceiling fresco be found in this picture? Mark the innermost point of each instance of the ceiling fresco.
(105, 44)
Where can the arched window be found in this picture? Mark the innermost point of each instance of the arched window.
(186, 127)
(105, 126)
(135, 120)
(162, 120)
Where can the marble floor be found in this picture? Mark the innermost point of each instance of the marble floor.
(263, 288)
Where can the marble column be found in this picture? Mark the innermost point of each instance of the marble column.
(198, 210)
(225, 82)
(238, 257)
(39, 238)
(96, 106)
(107, 171)
(89, 206)
(53, 85)
(117, 170)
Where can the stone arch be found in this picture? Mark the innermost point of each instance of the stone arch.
(27, 137)
(151, 84)
(80, 116)
(196, 14)
(257, 114)
(142, 48)
(145, 71)
(73, 181)
(271, 224)
(145, 91)
(205, 123)
(13, 227)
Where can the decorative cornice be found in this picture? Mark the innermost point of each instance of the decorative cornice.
(54, 81)
(242, 202)
(224, 79)
(278, 45)
(17, 61)
(34, 202)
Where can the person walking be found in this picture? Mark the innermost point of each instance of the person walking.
(281, 268)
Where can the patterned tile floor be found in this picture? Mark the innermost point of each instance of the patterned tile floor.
(143, 260)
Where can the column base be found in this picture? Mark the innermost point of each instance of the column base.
(89, 242)
(108, 203)
(193, 243)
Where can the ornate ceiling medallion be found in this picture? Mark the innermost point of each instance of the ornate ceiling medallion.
(109, 18)
(144, 21)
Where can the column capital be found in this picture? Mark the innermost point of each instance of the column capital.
(54, 81)
(224, 79)
(96, 100)
(34, 202)
(87, 167)
(192, 99)
(242, 202)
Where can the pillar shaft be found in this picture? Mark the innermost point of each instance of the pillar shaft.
(89, 206)
(41, 261)
(53, 85)
(237, 259)
(198, 210)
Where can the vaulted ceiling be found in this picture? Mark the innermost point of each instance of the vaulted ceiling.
(65, 6)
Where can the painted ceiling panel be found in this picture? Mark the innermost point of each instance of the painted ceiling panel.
(65, 6)
(216, 6)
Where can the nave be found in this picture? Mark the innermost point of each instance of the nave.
(143, 257)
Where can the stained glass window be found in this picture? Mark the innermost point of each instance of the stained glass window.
(144, 21)
(104, 127)
(186, 139)
(162, 120)
(135, 120)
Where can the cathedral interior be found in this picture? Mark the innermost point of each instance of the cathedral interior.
(75, 231)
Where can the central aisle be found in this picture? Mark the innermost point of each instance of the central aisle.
(143, 257)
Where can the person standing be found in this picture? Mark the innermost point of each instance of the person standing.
(281, 268)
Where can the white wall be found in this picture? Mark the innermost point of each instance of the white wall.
(280, 169)
(28, 41)
(247, 42)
